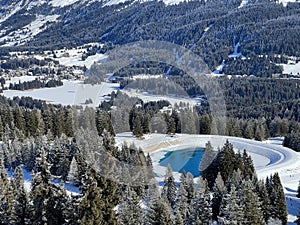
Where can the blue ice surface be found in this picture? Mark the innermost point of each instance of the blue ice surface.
(187, 160)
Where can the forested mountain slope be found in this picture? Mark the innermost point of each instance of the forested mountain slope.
(260, 33)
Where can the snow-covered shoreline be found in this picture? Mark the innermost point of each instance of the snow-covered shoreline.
(268, 158)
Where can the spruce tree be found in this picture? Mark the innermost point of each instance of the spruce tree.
(200, 206)
(182, 203)
(223, 164)
(19, 120)
(68, 123)
(45, 196)
(1, 129)
(157, 211)
(4, 190)
(238, 162)
(109, 144)
(137, 130)
(11, 217)
(171, 126)
(7, 196)
(129, 210)
(207, 157)
(146, 123)
(73, 174)
(182, 178)
(237, 178)
(277, 199)
(103, 122)
(61, 205)
(169, 188)
(205, 124)
(59, 157)
(230, 210)
(150, 173)
(21, 199)
(190, 189)
(262, 193)
(218, 192)
(91, 203)
(227, 163)
(248, 169)
(252, 206)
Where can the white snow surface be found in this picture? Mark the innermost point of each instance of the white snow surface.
(268, 157)
(71, 93)
(146, 97)
(75, 60)
(114, 2)
(285, 2)
(219, 68)
(235, 54)
(16, 80)
(62, 3)
(76, 93)
(73, 57)
(292, 69)
(243, 3)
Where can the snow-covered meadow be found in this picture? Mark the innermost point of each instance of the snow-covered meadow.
(76, 93)
(291, 69)
(71, 93)
(73, 57)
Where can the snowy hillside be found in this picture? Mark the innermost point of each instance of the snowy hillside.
(29, 31)
(59, 3)
(173, 2)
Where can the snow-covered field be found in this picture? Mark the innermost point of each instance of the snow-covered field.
(268, 158)
(16, 80)
(292, 69)
(76, 93)
(285, 2)
(146, 97)
(71, 93)
(73, 57)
